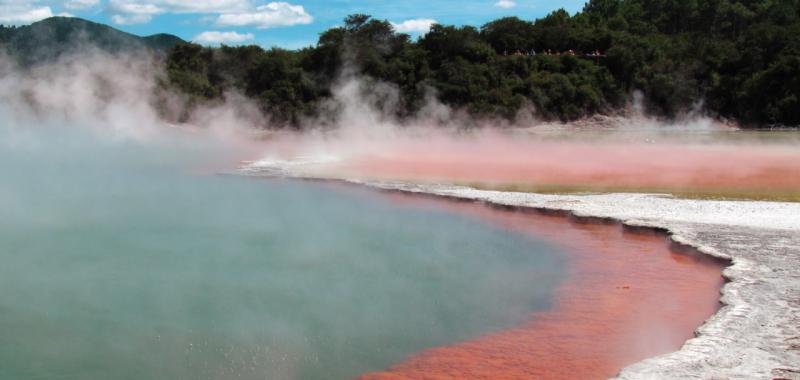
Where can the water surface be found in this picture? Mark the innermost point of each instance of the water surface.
(119, 261)
(629, 296)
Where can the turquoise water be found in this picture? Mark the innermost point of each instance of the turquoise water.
(119, 261)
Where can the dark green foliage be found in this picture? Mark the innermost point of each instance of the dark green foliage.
(509, 35)
(275, 78)
(162, 42)
(188, 68)
(6, 32)
(741, 59)
(284, 90)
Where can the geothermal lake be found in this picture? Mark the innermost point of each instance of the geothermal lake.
(128, 259)
(119, 264)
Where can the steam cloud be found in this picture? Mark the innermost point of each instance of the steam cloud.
(360, 135)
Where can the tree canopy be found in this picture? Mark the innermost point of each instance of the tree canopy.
(740, 59)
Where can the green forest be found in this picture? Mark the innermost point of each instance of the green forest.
(738, 60)
(741, 59)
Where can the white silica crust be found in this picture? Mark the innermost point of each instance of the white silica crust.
(756, 334)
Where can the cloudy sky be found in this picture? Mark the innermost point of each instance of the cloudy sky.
(289, 24)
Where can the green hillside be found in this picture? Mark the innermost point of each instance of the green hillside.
(48, 39)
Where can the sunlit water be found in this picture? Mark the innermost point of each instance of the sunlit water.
(119, 261)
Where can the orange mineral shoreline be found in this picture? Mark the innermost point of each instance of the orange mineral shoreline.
(563, 165)
(630, 295)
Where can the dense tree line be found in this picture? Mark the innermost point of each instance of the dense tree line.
(6, 32)
(741, 58)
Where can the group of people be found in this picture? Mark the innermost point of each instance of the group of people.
(533, 52)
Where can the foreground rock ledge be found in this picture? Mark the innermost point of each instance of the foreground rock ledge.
(756, 334)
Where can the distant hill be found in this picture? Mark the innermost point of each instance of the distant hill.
(46, 40)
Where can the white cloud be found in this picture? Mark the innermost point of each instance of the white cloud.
(207, 6)
(136, 8)
(182, 6)
(80, 4)
(132, 19)
(132, 13)
(505, 4)
(214, 38)
(420, 25)
(17, 13)
(228, 12)
(272, 15)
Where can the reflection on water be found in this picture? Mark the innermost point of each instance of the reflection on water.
(116, 265)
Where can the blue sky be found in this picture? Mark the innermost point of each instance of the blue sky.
(289, 24)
